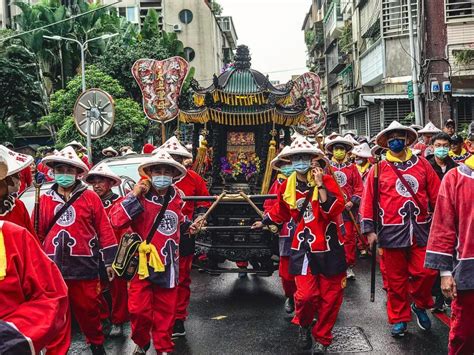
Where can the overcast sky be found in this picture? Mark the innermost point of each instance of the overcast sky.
(272, 30)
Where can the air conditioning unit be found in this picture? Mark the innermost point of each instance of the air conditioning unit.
(177, 28)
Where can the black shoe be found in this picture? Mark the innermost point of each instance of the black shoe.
(289, 305)
(439, 306)
(97, 349)
(116, 331)
(141, 351)
(304, 338)
(178, 329)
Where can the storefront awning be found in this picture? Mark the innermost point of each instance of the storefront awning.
(462, 94)
(371, 98)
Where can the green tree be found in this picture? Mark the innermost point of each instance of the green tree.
(216, 8)
(151, 29)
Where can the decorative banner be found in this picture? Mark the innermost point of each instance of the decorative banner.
(160, 82)
(308, 86)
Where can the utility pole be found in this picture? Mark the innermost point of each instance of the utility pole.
(414, 74)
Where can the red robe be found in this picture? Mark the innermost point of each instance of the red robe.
(13, 210)
(192, 184)
(80, 237)
(33, 295)
(451, 242)
(400, 219)
(140, 214)
(26, 179)
(47, 172)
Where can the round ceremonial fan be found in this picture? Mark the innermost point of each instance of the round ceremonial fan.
(99, 106)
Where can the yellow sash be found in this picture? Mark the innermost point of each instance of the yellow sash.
(289, 196)
(155, 262)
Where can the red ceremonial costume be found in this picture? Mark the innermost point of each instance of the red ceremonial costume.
(349, 179)
(192, 184)
(317, 253)
(451, 249)
(13, 210)
(26, 179)
(76, 242)
(34, 308)
(461, 158)
(285, 240)
(403, 229)
(152, 300)
(47, 172)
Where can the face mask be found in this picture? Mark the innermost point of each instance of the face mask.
(287, 170)
(441, 152)
(339, 154)
(301, 166)
(396, 145)
(359, 161)
(16, 186)
(65, 180)
(161, 182)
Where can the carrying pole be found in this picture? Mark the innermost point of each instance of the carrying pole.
(373, 257)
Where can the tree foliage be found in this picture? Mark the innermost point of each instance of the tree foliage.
(151, 29)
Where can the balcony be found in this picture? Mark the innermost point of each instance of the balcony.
(227, 27)
(333, 20)
(335, 59)
(372, 64)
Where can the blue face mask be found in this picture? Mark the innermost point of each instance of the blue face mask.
(287, 170)
(396, 145)
(441, 152)
(65, 180)
(301, 166)
(161, 182)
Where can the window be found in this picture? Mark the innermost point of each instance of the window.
(189, 54)
(459, 10)
(132, 14)
(185, 16)
(395, 17)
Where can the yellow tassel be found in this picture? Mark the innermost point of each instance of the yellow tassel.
(3, 256)
(155, 262)
(199, 165)
(268, 169)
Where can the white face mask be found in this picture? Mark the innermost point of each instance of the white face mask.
(16, 186)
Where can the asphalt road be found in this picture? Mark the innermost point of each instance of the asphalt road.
(246, 316)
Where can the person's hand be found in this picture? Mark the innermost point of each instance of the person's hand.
(257, 225)
(371, 239)
(448, 287)
(318, 175)
(141, 188)
(110, 273)
(349, 205)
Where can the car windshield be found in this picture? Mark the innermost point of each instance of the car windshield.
(125, 168)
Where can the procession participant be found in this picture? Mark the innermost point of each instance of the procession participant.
(407, 186)
(76, 232)
(348, 177)
(109, 152)
(363, 154)
(317, 259)
(440, 159)
(470, 140)
(191, 184)
(285, 169)
(458, 153)
(81, 152)
(34, 311)
(24, 176)
(102, 179)
(450, 127)
(451, 251)
(425, 147)
(12, 209)
(152, 294)
(43, 173)
(416, 127)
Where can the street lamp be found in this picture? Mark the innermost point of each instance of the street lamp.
(83, 47)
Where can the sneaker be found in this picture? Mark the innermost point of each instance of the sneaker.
(290, 305)
(97, 349)
(422, 318)
(350, 274)
(399, 329)
(318, 348)
(440, 306)
(116, 331)
(178, 329)
(304, 338)
(140, 351)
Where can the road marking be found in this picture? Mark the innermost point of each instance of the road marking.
(219, 317)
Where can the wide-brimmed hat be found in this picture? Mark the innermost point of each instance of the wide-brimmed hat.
(103, 170)
(128, 152)
(416, 127)
(430, 128)
(15, 161)
(77, 145)
(362, 151)
(382, 137)
(351, 139)
(301, 146)
(377, 150)
(278, 160)
(161, 157)
(174, 147)
(339, 141)
(109, 150)
(66, 156)
(332, 136)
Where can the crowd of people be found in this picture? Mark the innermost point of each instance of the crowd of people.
(409, 190)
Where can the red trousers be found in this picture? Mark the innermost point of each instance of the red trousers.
(406, 276)
(287, 279)
(382, 270)
(461, 336)
(350, 243)
(184, 289)
(362, 243)
(84, 296)
(119, 294)
(322, 296)
(152, 309)
(59, 345)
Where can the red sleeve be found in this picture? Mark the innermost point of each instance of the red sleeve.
(358, 185)
(268, 204)
(43, 312)
(280, 212)
(366, 209)
(201, 190)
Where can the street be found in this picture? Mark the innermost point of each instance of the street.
(229, 315)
